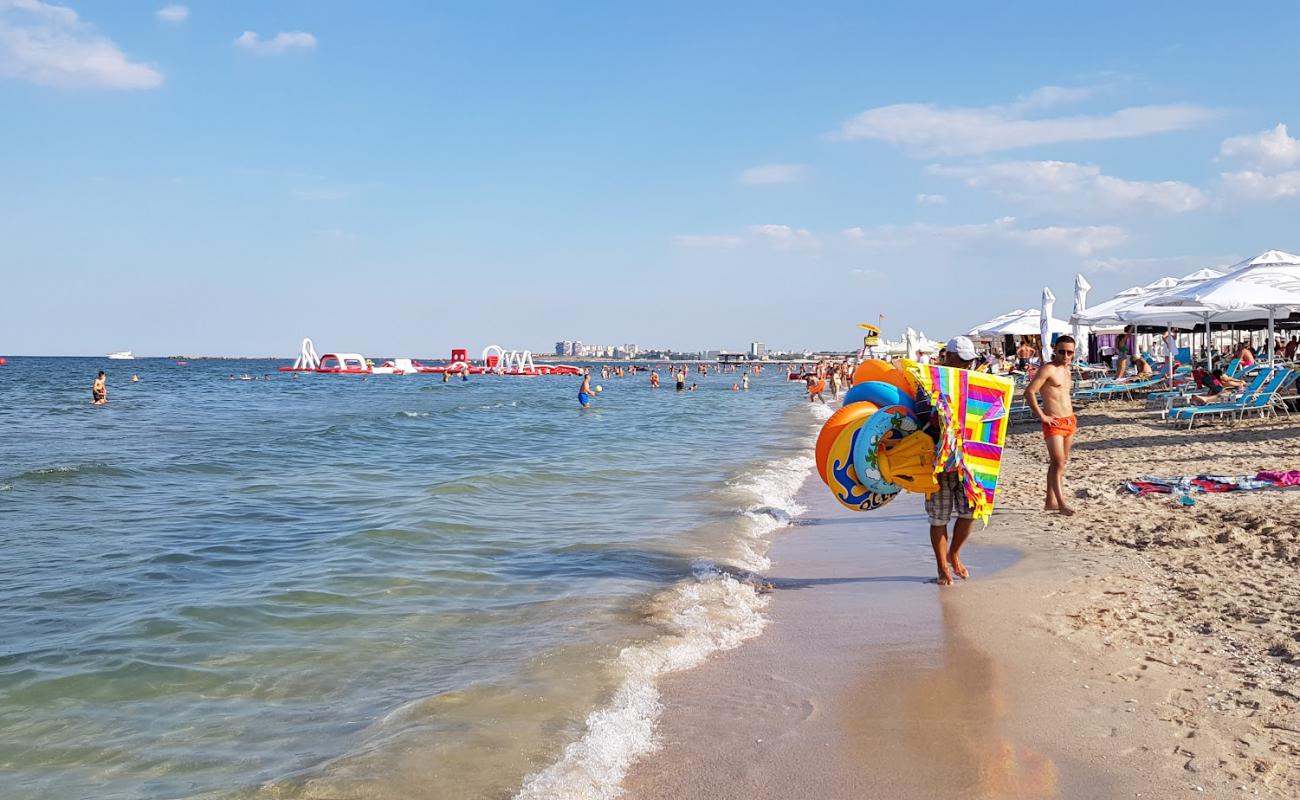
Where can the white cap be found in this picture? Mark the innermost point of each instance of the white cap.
(963, 347)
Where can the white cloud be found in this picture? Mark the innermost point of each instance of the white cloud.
(931, 199)
(1045, 97)
(1267, 150)
(783, 237)
(767, 174)
(322, 193)
(708, 241)
(1252, 185)
(49, 45)
(280, 43)
(1076, 187)
(925, 129)
(1077, 240)
(173, 13)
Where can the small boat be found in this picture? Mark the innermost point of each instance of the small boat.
(123, 355)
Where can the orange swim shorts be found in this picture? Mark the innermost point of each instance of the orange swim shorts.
(1061, 426)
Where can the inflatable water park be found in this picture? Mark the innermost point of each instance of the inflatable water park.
(495, 360)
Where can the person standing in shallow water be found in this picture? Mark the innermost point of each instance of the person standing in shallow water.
(99, 390)
(1053, 379)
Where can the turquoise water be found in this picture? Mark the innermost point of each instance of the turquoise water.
(396, 587)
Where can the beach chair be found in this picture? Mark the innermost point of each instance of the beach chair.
(1260, 400)
(1256, 384)
(1124, 388)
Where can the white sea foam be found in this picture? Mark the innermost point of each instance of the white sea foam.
(412, 413)
(714, 612)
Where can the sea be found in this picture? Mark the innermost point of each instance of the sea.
(240, 584)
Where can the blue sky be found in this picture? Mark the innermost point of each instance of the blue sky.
(401, 178)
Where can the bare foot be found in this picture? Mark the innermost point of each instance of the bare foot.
(1066, 511)
(1050, 505)
(945, 578)
(958, 568)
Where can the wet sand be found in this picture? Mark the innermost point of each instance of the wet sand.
(1055, 675)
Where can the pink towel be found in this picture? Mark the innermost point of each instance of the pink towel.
(1288, 478)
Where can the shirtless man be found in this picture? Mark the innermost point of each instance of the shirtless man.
(584, 391)
(99, 391)
(1059, 422)
(1023, 353)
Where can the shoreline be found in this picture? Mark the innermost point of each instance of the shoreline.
(1078, 671)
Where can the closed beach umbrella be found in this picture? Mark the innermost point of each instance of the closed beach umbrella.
(909, 340)
(1081, 287)
(1045, 322)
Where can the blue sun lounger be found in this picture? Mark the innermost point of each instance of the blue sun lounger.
(1266, 388)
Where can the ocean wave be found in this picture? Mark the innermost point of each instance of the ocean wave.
(710, 613)
(70, 472)
(412, 414)
(715, 611)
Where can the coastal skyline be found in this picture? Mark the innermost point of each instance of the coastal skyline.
(229, 178)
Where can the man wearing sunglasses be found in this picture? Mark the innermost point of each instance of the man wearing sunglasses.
(1053, 380)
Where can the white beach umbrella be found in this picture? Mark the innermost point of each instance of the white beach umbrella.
(909, 341)
(1254, 289)
(1026, 323)
(988, 325)
(1045, 323)
(1104, 313)
(1081, 287)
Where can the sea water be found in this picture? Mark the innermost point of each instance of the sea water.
(393, 587)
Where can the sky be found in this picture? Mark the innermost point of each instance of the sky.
(401, 178)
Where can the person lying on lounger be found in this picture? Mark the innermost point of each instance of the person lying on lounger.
(1216, 383)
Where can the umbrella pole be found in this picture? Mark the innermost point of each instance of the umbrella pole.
(1272, 351)
(1209, 346)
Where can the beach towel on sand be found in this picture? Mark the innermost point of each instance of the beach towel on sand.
(1214, 483)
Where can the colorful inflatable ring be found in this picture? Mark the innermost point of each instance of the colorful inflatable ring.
(873, 369)
(844, 481)
(888, 422)
(836, 423)
(818, 387)
(880, 393)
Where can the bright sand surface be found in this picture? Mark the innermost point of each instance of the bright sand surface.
(1138, 649)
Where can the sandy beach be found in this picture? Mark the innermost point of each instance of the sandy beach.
(1138, 649)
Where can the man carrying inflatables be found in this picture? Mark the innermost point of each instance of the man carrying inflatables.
(1053, 380)
(951, 497)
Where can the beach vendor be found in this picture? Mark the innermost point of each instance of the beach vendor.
(951, 498)
(1053, 380)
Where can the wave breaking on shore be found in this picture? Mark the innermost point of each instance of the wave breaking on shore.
(716, 610)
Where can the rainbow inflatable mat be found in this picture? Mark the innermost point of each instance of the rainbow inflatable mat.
(974, 409)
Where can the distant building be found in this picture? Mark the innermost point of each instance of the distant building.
(757, 350)
(564, 348)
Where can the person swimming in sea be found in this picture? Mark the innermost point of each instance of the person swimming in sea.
(99, 390)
